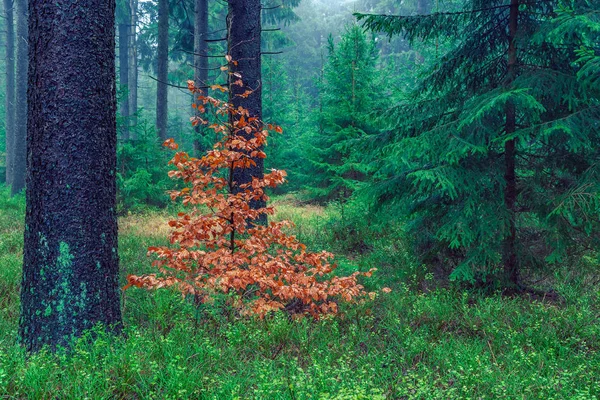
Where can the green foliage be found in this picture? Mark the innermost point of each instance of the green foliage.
(444, 158)
(439, 344)
(284, 151)
(141, 171)
(348, 95)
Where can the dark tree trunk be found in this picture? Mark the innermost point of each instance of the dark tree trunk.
(124, 21)
(10, 89)
(70, 270)
(244, 37)
(20, 132)
(200, 62)
(509, 253)
(162, 69)
(133, 64)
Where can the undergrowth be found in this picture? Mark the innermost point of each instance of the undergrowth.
(438, 343)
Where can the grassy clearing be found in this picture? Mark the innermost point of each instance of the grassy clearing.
(410, 344)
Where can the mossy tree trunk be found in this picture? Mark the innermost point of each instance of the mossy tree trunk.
(243, 40)
(10, 89)
(70, 270)
(20, 132)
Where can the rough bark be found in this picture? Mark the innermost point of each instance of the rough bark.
(133, 66)
(20, 135)
(200, 61)
(162, 70)
(124, 33)
(10, 89)
(70, 269)
(509, 253)
(244, 39)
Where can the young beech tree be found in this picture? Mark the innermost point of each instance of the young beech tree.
(70, 264)
(220, 244)
(496, 139)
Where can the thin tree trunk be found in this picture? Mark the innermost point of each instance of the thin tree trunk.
(20, 138)
(133, 66)
(244, 37)
(10, 89)
(509, 253)
(200, 62)
(70, 269)
(163, 69)
(124, 33)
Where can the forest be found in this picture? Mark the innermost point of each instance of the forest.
(300, 199)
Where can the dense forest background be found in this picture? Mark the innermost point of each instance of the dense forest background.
(402, 120)
(454, 145)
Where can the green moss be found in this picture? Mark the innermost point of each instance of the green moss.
(65, 258)
(48, 311)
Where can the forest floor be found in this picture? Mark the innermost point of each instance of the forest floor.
(438, 343)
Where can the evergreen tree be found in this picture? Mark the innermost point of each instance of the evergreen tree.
(284, 104)
(495, 140)
(348, 93)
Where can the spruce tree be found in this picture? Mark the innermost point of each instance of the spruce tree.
(494, 141)
(348, 95)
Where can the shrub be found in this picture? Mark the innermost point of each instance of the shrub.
(221, 244)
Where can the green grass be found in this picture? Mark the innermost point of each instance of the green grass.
(410, 344)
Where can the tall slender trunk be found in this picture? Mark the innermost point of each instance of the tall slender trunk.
(133, 66)
(244, 37)
(124, 33)
(70, 268)
(10, 89)
(509, 253)
(162, 71)
(20, 138)
(200, 61)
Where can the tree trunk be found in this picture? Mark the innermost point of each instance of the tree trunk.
(509, 253)
(244, 37)
(162, 69)
(10, 89)
(200, 62)
(133, 65)
(124, 33)
(20, 135)
(70, 269)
